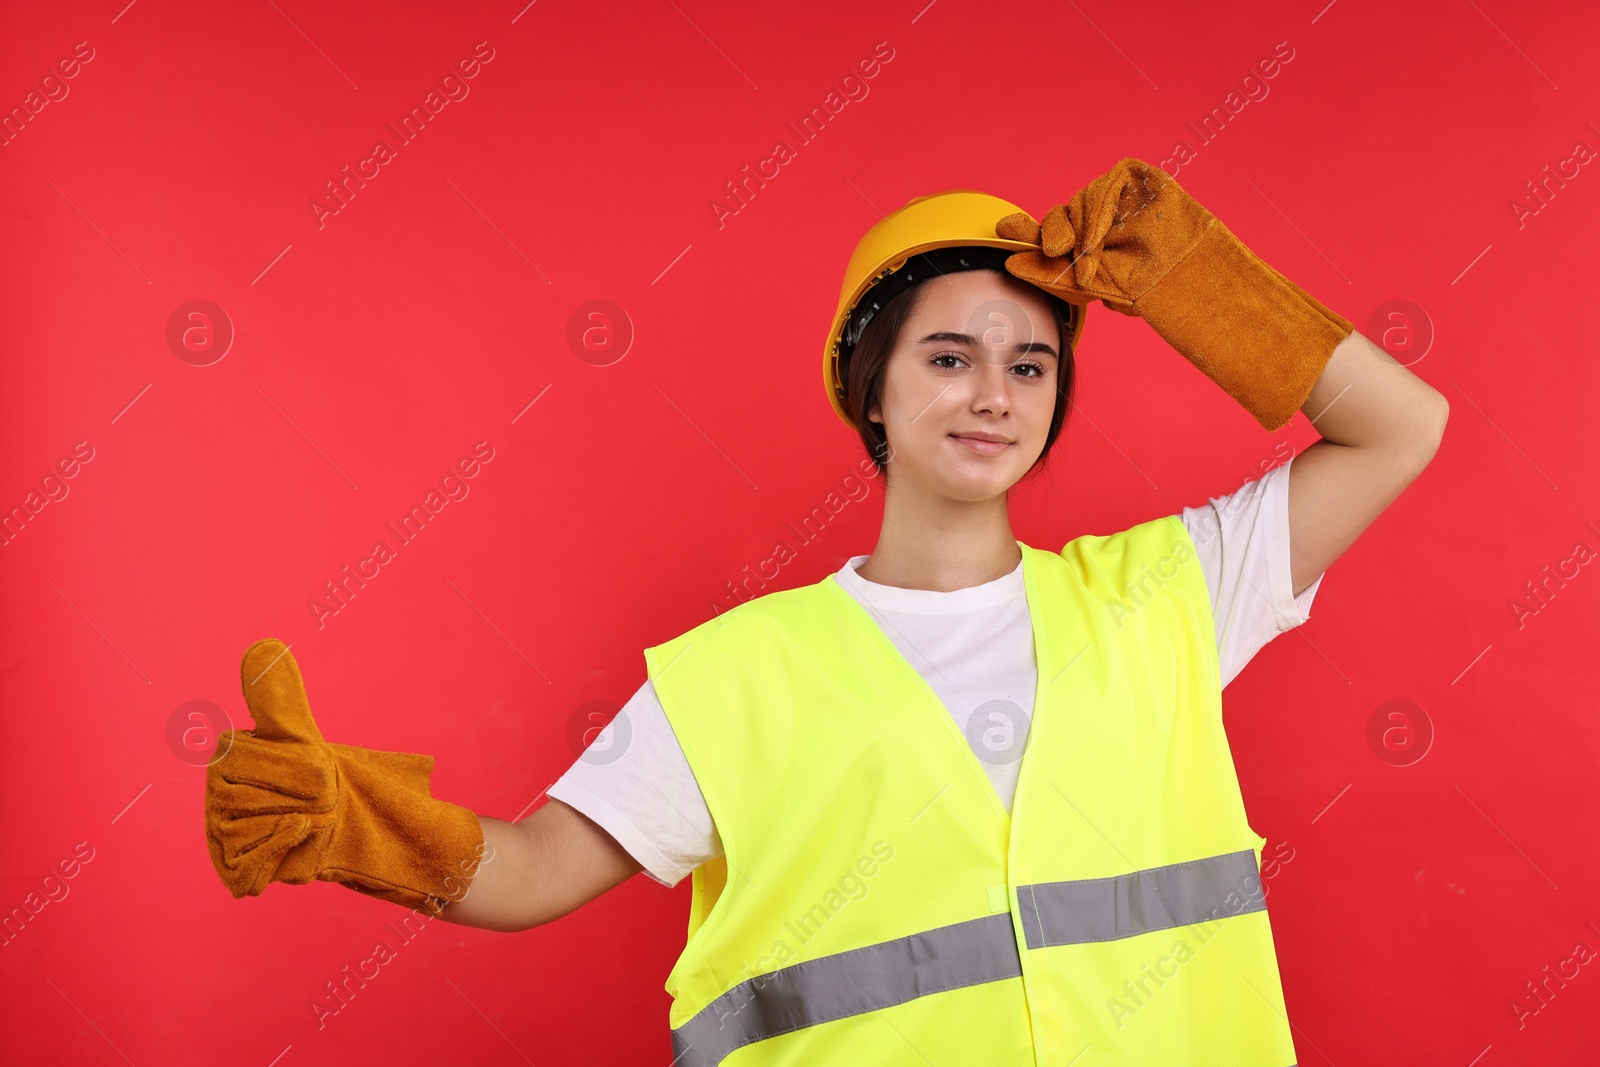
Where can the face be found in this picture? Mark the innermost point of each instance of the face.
(977, 358)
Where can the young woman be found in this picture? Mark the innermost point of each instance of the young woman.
(964, 800)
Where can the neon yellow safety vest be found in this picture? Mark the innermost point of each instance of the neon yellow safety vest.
(876, 904)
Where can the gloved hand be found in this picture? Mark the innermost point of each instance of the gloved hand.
(284, 805)
(1135, 241)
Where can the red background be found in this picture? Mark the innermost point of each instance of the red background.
(373, 351)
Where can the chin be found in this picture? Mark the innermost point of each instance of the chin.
(981, 486)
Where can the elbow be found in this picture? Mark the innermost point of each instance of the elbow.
(1430, 429)
(1440, 415)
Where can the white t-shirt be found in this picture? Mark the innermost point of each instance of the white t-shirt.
(973, 646)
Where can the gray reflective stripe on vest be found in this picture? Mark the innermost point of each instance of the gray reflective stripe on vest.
(967, 953)
(1157, 898)
(849, 983)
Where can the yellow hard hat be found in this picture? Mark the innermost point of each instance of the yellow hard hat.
(960, 218)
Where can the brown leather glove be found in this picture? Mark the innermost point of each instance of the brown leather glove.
(283, 805)
(1135, 241)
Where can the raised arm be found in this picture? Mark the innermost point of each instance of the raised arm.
(1136, 241)
(1380, 426)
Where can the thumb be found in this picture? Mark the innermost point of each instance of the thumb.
(1018, 226)
(275, 694)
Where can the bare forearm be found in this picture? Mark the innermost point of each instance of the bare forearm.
(1366, 398)
(539, 869)
(502, 895)
(1381, 426)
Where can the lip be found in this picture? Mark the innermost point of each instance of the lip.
(983, 444)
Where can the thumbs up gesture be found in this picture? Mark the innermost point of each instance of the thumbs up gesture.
(284, 805)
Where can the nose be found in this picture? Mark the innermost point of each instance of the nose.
(992, 385)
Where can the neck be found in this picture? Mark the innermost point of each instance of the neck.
(941, 544)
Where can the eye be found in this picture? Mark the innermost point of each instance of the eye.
(1037, 370)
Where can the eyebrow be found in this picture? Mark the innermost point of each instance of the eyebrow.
(950, 337)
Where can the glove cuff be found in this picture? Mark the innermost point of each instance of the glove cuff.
(1259, 336)
(394, 841)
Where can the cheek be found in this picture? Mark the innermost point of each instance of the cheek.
(1046, 395)
(1040, 410)
(918, 406)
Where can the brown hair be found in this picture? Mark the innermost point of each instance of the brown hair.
(863, 369)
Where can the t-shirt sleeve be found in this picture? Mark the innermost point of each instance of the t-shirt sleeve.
(635, 782)
(1242, 540)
